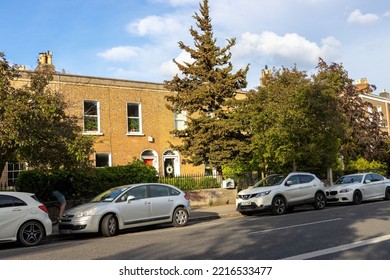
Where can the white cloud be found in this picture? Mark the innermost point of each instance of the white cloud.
(155, 26)
(121, 53)
(357, 17)
(290, 48)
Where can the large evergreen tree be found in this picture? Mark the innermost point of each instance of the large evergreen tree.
(35, 127)
(206, 89)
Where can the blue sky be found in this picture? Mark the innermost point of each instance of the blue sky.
(137, 40)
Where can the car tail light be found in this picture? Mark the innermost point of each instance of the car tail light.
(43, 208)
(186, 197)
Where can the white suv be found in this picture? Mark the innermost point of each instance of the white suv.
(280, 192)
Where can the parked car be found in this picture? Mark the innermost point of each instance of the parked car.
(23, 218)
(126, 207)
(281, 192)
(355, 188)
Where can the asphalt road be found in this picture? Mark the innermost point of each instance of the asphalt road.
(347, 232)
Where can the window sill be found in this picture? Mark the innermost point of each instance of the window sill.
(135, 134)
(93, 133)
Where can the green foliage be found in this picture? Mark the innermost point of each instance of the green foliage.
(88, 181)
(35, 126)
(363, 165)
(206, 90)
(362, 134)
(301, 122)
(294, 123)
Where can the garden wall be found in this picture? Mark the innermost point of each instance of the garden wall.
(214, 197)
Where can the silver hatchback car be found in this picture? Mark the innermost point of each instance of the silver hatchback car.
(127, 207)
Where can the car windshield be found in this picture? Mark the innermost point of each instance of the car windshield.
(109, 195)
(349, 179)
(271, 180)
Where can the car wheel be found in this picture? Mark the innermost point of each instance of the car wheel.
(387, 193)
(31, 233)
(278, 206)
(357, 197)
(319, 201)
(180, 217)
(109, 226)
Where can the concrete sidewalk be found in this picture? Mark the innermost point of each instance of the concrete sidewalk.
(198, 213)
(213, 212)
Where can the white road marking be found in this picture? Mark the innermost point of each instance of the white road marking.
(339, 248)
(293, 226)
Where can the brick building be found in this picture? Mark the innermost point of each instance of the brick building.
(128, 118)
(380, 101)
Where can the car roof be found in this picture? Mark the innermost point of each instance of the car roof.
(143, 184)
(300, 173)
(363, 173)
(17, 193)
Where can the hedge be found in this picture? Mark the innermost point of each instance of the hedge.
(87, 182)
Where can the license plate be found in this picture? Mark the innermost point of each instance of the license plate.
(245, 203)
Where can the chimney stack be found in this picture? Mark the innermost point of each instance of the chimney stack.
(46, 60)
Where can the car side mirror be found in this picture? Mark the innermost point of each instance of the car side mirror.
(130, 198)
(367, 181)
(289, 183)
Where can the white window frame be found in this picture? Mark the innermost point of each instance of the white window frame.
(180, 117)
(139, 118)
(92, 132)
(379, 109)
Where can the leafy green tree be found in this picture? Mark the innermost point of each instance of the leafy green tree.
(7, 134)
(206, 91)
(307, 123)
(363, 136)
(363, 165)
(34, 125)
(294, 123)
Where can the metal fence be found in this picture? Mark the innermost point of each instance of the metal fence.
(4, 187)
(203, 181)
(192, 181)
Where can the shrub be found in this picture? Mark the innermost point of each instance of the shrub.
(87, 182)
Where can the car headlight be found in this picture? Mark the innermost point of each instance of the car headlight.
(263, 194)
(346, 190)
(88, 212)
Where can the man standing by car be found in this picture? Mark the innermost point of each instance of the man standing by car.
(63, 187)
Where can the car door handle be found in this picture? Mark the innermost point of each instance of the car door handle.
(147, 202)
(18, 210)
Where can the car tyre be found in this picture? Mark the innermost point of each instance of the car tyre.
(387, 193)
(31, 233)
(109, 226)
(279, 206)
(180, 217)
(319, 201)
(357, 197)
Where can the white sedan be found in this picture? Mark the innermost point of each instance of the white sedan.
(23, 218)
(355, 188)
